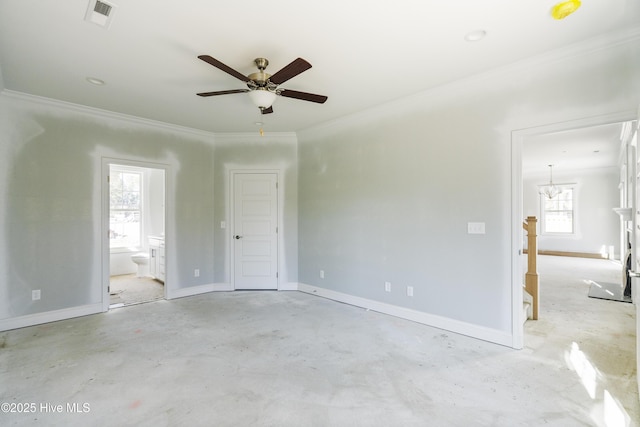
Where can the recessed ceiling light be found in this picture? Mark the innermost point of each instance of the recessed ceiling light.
(475, 36)
(95, 81)
(259, 123)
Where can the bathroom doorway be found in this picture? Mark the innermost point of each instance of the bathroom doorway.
(136, 233)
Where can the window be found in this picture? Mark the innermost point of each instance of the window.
(558, 212)
(125, 208)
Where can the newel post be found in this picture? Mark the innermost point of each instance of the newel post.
(531, 277)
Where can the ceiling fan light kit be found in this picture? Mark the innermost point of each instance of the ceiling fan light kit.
(263, 87)
(262, 98)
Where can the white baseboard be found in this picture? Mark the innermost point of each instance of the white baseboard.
(223, 287)
(289, 286)
(49, 316)
(459, 327)
(463, 328)
(194, 290)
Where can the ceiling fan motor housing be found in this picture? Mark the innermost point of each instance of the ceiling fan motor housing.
(260, 78)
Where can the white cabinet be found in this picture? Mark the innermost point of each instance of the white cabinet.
(156, 258)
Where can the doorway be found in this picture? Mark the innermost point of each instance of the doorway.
(519, 138)
(254, 239)
(135, 195)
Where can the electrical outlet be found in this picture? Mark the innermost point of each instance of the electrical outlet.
(322, 274)
(409, 291)
(35, 295)
(387, 286)
(196, 272)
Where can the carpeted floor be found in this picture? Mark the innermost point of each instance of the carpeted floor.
(127, 289)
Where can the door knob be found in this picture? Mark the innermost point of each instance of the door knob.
(238, 237)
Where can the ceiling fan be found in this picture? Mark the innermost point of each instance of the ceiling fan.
(263, 87)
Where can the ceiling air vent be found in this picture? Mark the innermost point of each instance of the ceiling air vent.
(100, 13)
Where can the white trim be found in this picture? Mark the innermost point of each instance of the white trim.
(49, 316)
(459, 327)
(231, 218)
(222, 287)
(193, 290)
(517, 275)
(122, 169)
(232, 138)
(542, 230)
(436, 94)
(290, 286)
(97, 112)
(168, 221)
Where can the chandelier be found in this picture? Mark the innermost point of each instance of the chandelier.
(550, 191)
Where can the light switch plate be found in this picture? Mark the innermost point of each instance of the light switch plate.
(476, 228)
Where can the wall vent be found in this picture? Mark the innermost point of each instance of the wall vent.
(100, 13)
(102, 8)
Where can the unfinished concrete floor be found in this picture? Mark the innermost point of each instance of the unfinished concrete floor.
(127, 289)
(291, 359)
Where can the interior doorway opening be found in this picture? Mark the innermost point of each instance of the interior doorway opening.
(524, 192)
(136, 237)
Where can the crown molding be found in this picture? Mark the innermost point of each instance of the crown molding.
(254, 137)
(628, 36)
(105, 114)
(217, 137)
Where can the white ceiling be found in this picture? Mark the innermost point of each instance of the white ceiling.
(586, 148)
(363, 53)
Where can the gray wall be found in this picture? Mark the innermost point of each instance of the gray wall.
(385, 195)
(51, 210)
(597, 226)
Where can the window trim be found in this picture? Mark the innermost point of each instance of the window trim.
(115, 168)
(574, 211)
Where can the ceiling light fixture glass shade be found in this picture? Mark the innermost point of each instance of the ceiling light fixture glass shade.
(262, 98)
(550, 191)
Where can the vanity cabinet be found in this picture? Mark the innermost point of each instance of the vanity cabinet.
(156, 258)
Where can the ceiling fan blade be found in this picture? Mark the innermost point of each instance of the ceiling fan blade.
(287, 93)
(223, 92)
(293, 69)
(267, 110)
(208, 59)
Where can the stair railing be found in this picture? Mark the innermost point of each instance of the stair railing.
(531, 283)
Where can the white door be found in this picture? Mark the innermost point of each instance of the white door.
(255, 230)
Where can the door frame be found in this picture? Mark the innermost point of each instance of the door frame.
(168, 220)
(231, 225)
(518, 138)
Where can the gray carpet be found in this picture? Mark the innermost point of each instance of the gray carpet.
(609, 291)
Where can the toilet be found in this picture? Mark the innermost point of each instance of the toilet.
(142, 260)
